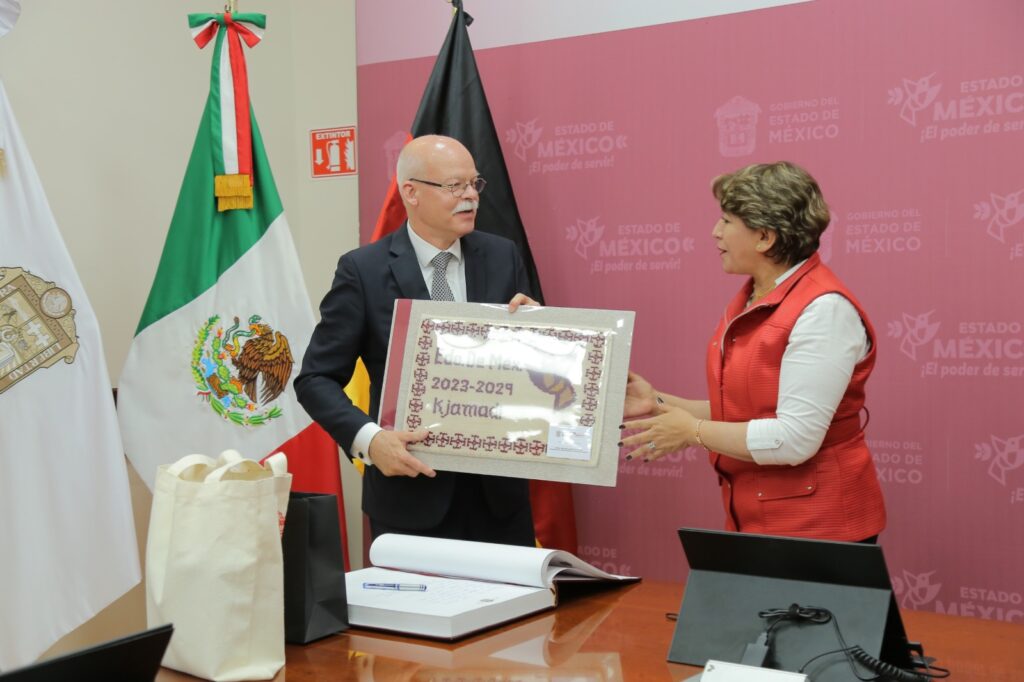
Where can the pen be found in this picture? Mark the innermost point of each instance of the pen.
(403, 587)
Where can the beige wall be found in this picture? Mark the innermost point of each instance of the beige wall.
(108, 95)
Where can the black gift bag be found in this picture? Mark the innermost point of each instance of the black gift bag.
(314, 569)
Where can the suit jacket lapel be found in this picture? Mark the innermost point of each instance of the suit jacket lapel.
(476, 269)
(404, 266)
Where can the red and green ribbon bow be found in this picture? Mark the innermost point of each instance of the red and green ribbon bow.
(231, 124)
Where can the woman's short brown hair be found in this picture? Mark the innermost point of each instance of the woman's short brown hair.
(777, 196)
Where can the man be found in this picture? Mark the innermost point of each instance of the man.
(436, 254)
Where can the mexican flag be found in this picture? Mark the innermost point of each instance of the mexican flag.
(67, 536)
(228, 316)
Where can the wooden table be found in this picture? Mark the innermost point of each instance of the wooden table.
(612, 634)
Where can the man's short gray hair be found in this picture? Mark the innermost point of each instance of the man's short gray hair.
(409, 164)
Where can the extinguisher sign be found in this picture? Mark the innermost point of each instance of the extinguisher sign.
(332, 151)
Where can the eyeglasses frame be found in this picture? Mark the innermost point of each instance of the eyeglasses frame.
(451, 187)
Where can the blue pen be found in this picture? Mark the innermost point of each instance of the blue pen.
(402, 587)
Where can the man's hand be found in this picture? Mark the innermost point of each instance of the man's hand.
(388, 453)
(518, 300)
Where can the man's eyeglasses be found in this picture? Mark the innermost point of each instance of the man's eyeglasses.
(457, 188)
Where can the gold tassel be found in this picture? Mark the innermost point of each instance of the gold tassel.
(232, 185)
(3, 164)
(232, 192)
(232, 203)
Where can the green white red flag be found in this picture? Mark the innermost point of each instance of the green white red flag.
(228, 315)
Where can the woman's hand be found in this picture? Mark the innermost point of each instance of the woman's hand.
(518, 300)
(669, 430)
(640, 397)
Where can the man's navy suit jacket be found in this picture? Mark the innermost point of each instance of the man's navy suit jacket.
(355, 321)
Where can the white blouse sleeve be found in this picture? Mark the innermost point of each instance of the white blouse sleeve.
(827, 341)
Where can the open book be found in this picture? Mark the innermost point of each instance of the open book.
(451, 588)
(517, 651)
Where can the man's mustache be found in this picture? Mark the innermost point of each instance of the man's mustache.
(466, 205)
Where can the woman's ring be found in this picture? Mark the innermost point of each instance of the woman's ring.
(651, 446)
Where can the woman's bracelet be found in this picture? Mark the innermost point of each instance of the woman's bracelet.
(700, 441)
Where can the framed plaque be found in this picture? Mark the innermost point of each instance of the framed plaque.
(533, 394)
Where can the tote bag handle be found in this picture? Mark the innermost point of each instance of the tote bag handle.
(248, 469)
(181, 468)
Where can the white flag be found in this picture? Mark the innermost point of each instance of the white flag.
(66, 528)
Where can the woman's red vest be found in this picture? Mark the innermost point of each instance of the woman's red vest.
(835, 494)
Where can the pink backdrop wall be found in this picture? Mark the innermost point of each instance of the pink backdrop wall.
(911, 116)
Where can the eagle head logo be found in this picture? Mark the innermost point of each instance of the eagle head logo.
(261, 358)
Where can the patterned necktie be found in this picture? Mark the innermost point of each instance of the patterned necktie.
(439, 289)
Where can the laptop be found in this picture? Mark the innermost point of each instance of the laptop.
(135, 658)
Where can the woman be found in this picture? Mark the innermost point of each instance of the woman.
(786, 370)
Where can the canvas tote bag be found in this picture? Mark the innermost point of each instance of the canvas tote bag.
(214, 566)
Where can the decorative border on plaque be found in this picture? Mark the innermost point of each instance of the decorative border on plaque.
(535, 394)
(563, 393)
